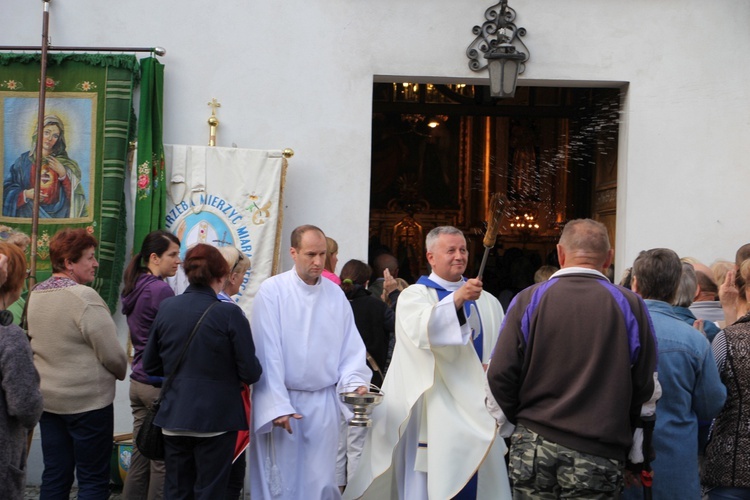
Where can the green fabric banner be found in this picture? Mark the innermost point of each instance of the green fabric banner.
(86, 134)
(150, 200)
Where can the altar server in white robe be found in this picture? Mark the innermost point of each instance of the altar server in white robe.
(432, 432)
(310, 349)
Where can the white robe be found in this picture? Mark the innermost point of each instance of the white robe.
(434, 396)
(310, 349)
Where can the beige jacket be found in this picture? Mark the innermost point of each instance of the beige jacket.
(76, 350)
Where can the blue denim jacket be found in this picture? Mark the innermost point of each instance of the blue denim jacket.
(692, 391)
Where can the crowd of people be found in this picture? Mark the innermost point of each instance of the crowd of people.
(577, 388)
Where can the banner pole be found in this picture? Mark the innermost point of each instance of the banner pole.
(159, 51)
(39, 144)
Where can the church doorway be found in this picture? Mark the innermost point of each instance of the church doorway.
(439, 152)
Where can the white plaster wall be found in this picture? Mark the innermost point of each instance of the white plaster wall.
(299, 74)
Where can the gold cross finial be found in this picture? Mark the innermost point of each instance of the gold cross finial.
(213, 122)
(214, 104)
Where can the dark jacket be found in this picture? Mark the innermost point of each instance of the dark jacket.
(205, 394)
(575, 361)
(140, 307)
(375, 322)
(20, 408)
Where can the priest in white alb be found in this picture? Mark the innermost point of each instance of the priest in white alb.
(310, 350)
(432, 436)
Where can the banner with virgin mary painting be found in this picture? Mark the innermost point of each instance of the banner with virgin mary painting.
(87, 126)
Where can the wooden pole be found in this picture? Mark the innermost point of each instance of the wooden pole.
(39, 143)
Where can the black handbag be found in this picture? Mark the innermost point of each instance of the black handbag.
(150, 440)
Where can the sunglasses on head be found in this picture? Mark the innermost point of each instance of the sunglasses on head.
(240, 258)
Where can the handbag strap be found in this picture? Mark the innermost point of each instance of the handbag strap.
(374, 364)
(24, 324)
(182, 354)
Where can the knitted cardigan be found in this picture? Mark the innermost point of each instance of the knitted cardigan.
(20, 408)
(76, 349)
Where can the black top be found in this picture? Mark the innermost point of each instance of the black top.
(375, 322)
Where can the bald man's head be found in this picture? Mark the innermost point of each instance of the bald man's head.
(585, 243)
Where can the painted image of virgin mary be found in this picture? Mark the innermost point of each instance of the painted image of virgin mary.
(60, 191)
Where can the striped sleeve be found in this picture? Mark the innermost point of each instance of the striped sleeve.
(719, 346)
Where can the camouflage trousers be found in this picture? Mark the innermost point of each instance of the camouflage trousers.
(541, 469)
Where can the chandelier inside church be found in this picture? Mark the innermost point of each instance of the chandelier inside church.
(524, 221)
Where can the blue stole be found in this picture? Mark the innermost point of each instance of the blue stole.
(443, 293)
(469, 491)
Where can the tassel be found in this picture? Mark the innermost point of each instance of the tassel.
(274, 481)
(272, 472)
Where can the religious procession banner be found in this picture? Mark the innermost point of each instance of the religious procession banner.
(227, 196)
(151, 200)
(87, 127)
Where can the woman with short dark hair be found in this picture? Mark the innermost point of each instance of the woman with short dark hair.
(201, 408)
(70, 245)
(79, 357)
(374, 319)
(375, 323)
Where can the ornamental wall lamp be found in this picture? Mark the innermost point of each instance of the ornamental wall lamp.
(495, 39)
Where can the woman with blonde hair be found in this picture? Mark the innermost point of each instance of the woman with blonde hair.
(22, 241)
(544, 273)
(18, 238)
(20, 397)
(332, 258)
(725, 471)
(239, 264)
(729, 281)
